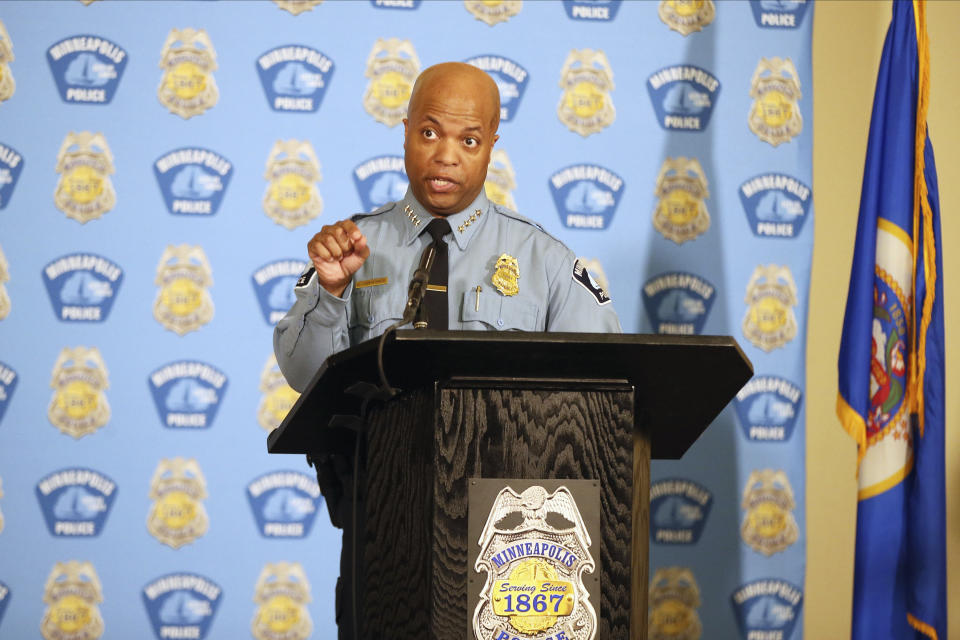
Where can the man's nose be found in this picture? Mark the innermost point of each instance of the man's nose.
(447, 152)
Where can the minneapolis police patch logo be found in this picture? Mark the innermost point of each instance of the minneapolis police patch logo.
(7, 83)
(392, 67)
(493, 11)
(767, 609)
(4, 599)
(82, 286)
(192, 180)
(674, 598)
(683, 97)
(681, 212)
(678, 511)
(8, 384)
(587, 80)
(770, 321)
(11, 164)
(775, 89)
(592, 10)
(87, 68)
(181, 605)
(778, 14)
(776, 205)
(768, 407)
(188, 60)
(278, 397)
(282, 594)
(187, 393)
(183, 303)
(586, 195)
(76, 502)
(79, 404)
(284, 503)
(295, 77)
(677, 302)
(178, 489)
(768, 522)
(296, 7)
(409, 5)
(72, 595)
(85, 164)
(511, 79)
(293, 171)
(380, 180)
(686, 17)
(501, 180)
(273, 283)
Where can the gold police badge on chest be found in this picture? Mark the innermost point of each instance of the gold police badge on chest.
(775, 89)
(278, 397)
(4, 277)
(587, 80)
(79, 404)
(183, 303)
(506, 274)
(392, 67)
(674, 599)
(72, 593)
(681, 212)
(493, 11)
(292, 198)
(296, 7)
(768, 524)
(177, 516)
(501, 180)
(282, 594)
(7, 84)
(85, 164)
(188, 60)
(770, 321)
(686, 16)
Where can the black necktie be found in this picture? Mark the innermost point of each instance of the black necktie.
(435, 300)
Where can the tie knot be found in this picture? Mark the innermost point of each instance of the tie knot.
(438, 228)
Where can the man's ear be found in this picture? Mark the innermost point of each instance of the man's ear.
(405, 132)
(495, 138)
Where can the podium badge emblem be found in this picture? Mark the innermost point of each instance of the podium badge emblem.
(4, 277)
(392, 67)
(493, 11)
(296, 7)
(681, 212)
(72, 594)
(79, 404)
(292, 198)
(183, 302)
(188, 60)
(687, 16)
(501, 180)
(775, 89)
(282, 594)
(7, 84)
(674, 599)
(506, 273)
(177, 516)
(771, 296)
(534, 570)
(84, 191)
(278, 396)
(768, 525)
(587, 80)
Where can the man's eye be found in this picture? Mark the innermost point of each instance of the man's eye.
(471, 142)
(429, 133)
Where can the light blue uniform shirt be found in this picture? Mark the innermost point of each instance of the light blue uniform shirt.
(555, 293)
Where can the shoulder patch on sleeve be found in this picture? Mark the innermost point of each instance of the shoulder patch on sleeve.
(583, 278)
(305, 277)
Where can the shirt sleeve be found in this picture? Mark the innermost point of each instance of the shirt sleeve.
(577, 303)
(315, 328)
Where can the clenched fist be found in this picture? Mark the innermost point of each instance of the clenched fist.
(337, 252)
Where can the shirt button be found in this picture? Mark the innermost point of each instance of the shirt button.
(370, 319)
(499, 322)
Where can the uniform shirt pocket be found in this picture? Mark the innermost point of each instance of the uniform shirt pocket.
(498, 312)
(375, 309)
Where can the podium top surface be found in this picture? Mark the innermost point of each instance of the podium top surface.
(681, 382)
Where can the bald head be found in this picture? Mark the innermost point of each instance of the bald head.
(459, 78)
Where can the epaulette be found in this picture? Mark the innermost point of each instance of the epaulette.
(510, 213)
(376, 212)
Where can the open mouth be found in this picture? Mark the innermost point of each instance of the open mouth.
(441, 185)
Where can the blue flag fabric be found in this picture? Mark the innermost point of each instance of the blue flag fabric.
(891, 364)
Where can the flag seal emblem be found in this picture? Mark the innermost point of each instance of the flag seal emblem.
(82, 286)
(192, 180)
(380, 180)
(274, 285)
(511, 79)
(284, 503)
(294, 77)
(493, 11)
(592, 10)
(778, 14)
(178, 489)
(85, 164)
(8, 384)
(686, 17)
(770, 321)
(278, 397)
(586, 106)
(181, 605)
(11, 164)
(76, 502)
(767, 608)
(776, 205)
(674, 599)
(586, 195)
(296, 7)
(293, 171)
(7, 84)
(392, 67)
(888, 370)
(768, 407)
(188, 60)
(86, 68)
(72, 593)
(183, 303)
(79, 404)
(683, 97)
(768, 522)
(681, 212)
(677, 302)
(187, 393)
(501, 180)
(775, 89)
(678, 511)
(282, 593)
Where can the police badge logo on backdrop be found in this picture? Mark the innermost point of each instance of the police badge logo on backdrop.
(193, 180)
(86, 68)
(177, 516)
(282, 594)
(380, 180)
(686, 17)
(767, 608)
(586, 195)
(677, 302)
(775, 113)
(187, 393)
(181, 605)
(392, 67)
(7, 84)
(681, 212)
(770, 321)
(511, 79)
(72, 595)
(683, 97)
(778, 14)
(85, 164)
(79, 404)
(674, 599)
(768, 407)
(587, 80)
(493, 11)
(187, 87)
(11, 164)
(278, 397)
(284, 503)
(501, 180)
(183, 303)
(8, 384)
(294, 77)
(82, 286)
(5, 596)
(274, 285)
(293, 171)
(405, 5)
(678, 511)
(296, 7)
(76, 502)
(768, 523)
(592, 10)
(776, 205)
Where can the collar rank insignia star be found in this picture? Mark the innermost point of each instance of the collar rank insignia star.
(506, 274)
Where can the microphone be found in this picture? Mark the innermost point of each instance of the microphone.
(418, 285)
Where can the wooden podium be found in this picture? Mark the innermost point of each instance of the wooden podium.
(503, 405)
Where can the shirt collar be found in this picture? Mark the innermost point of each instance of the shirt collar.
(464, 224)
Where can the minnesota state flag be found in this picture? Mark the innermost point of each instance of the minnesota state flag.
(891, 364)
